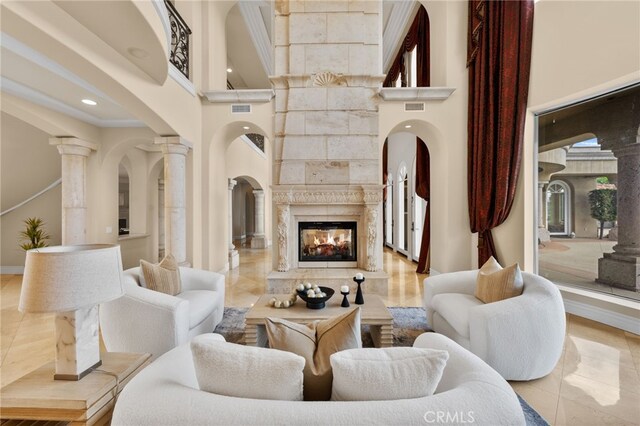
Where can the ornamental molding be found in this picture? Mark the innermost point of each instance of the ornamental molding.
(327, 79)
(371, 194)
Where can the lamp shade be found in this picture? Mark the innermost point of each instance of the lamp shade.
(68, 278)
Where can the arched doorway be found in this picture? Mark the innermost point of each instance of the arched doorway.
(248, 213)
(404, 209)
(558, 208)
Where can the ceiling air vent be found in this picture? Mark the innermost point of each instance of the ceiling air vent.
(414, 106)
(240, 108)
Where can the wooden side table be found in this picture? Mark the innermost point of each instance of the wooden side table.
(89, 401)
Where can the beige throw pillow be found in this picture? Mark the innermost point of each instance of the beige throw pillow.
(316, 342)
(386, 374)
(163, 277)
(495, 283)
(246, 371)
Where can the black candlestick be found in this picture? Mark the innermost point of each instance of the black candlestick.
(345, 301)
(359, 298)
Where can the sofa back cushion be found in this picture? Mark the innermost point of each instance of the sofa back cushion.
(245, 371)
(316, 342)
(386, 374)
(163, 277)
(495, 283)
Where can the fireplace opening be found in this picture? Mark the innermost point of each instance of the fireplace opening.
(327, 242)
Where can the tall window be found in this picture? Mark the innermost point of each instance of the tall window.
(403, 208)
(388, 211)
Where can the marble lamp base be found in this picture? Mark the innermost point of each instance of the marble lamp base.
(77, 343)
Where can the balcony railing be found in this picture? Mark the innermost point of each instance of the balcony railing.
(180, 32)
(257, 139)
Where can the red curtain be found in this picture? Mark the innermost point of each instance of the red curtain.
(423, 190)
(418, 35)
(499, 60)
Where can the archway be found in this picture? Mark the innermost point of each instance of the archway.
(558, 208)
(248, 213)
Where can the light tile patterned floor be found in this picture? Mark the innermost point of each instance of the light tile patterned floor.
(596, 381)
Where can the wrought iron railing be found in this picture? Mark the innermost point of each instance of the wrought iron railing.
(229, 85)
(257, 139)
(180, 32)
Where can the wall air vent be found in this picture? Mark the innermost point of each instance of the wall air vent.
(240, 108)
(413, 106)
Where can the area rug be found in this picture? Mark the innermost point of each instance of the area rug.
(408, 324)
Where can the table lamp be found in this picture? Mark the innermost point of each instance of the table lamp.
(71, 281)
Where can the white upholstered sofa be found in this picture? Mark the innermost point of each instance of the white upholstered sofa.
(144, 320)
(521, 337)
(167, 393)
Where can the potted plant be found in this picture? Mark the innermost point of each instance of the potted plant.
(34, 234)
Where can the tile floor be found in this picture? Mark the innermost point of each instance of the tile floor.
(596, 381)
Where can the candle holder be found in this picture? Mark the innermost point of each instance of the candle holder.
(345, 301)
(359, 298)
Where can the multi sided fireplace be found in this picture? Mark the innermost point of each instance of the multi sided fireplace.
(327, 244)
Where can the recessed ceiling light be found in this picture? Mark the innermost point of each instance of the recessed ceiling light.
(229, 70)
(246, 127)
(408, 126)
(89, 102)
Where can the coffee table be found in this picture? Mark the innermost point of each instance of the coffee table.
(373, 313)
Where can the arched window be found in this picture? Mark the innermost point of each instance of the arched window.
(403, 209)
(558, 208)
(388, 211)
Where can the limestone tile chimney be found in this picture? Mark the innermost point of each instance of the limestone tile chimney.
(328, 57)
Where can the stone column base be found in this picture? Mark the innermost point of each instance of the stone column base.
(258, 242)
(619, 271)
(543, 235)
(234, 259)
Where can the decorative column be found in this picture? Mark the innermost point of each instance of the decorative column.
(175, 149)
(234, 257)
(543, 233)
(622, 267)
(74, 154)
(258, 240)
(283, 236)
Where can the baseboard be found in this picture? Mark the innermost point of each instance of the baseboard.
(605, 316)
(12, 270)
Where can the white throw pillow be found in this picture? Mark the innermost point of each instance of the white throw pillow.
(245, 371)
(386, 374)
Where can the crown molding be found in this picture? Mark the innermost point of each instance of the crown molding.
(250, 11)
(246, 95)
(416, 93)
(36, 97)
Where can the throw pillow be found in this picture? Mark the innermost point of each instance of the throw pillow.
(163, 277)
(316, 342)
(246, 371)
(495, 283)
(386, 374)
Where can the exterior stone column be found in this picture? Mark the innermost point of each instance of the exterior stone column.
(74, 154)
(234, 257)
(622, 267)
(175, 150)
(543, 234)
(258, 240)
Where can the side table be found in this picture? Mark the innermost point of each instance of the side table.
(89, 401)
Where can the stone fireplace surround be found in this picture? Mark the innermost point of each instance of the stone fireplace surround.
(315, 203)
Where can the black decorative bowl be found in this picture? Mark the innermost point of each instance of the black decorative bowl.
(316, 302)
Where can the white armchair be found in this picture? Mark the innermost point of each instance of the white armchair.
(521, 337)
(144, 320)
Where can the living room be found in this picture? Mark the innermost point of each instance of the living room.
(274, 144)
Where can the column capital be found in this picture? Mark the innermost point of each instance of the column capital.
(73, 146)
(232, 183)
(621, 151)
(258, 192)
(173, 144)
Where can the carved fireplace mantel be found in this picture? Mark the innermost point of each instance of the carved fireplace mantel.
(367, 196)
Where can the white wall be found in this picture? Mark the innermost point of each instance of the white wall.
(442, 126)
(29, 164)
